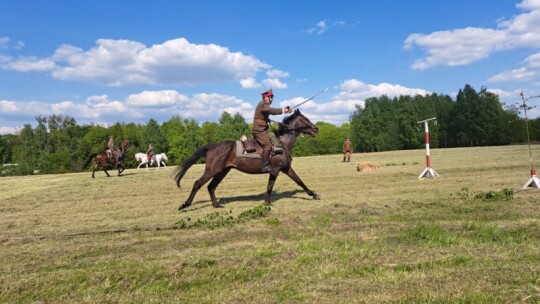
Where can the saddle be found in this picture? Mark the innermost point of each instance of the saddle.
(250, 148)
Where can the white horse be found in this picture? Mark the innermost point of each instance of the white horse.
(160, 159)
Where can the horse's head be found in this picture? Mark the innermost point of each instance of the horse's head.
(298, 122)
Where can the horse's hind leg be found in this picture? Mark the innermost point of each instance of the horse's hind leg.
(196, 186)
(213, 185)
(290, 173)
(104, 167)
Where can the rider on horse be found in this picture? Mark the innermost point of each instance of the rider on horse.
(150, 152)
(260, 126)
(113, 150)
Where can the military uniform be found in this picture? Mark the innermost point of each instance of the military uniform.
(112, 148)
(260, 127)
(347, 150)
(150, 152)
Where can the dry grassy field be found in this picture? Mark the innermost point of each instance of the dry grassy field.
(471, 236)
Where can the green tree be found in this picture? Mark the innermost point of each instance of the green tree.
(231, 127)
(209, 132)
(152, 135)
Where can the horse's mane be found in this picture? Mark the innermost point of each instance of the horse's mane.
(284, 126)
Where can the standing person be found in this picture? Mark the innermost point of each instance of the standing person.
(150, 152)
(260, 126)
(347, 149)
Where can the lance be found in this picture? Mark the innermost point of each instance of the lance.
(303, 102)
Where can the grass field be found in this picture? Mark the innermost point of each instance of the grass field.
(471, 236)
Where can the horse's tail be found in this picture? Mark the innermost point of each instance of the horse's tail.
(188, 163)
(89, 160)
(164, 157)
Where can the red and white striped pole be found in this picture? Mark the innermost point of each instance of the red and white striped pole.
(428, 171)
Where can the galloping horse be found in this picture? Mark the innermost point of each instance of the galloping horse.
(160, 159)
(102, 159)
(222, 157)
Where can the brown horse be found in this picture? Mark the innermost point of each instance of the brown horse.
(103, 160)
(221, 158)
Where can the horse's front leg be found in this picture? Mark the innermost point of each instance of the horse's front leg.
(120, 169)
(290, 173)
(271, 180)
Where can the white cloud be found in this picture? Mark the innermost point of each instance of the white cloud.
(4, 41)
(162, 105)
(529, 71)
(29, 64)
(8, 130)
(277, 74)
(274, 83)
(249, 83)
(464, 46)
(124, 62)
(156, 98)
(351, 93)
(319, 28)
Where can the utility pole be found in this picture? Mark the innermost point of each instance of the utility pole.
(533, 181)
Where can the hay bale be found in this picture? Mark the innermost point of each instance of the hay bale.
(367, 166)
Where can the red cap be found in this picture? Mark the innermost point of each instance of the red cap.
(267, 93)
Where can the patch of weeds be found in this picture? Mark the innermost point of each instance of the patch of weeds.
(390, 164)
(255, 213)
(492, 234)
(464, 193)
(429, 234)
(496, 196)
(273, 221)
(223, 219)
(321, 220)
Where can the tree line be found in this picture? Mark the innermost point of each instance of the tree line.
(57, 144)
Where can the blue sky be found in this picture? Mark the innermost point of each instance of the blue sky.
(107, 61)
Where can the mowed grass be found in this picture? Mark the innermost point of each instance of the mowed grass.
(471, 236)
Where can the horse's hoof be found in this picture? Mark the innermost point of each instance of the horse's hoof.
(218, 206)
(181, 207)
(316, 196)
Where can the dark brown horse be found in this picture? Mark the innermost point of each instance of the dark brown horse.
(222, 157)
(103, 160)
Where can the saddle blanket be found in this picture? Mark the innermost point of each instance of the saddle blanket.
(240, 153)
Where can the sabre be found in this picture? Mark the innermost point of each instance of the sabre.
(303, 102)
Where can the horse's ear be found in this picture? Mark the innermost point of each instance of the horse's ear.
(297, 111)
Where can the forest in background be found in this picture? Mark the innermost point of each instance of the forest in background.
(58, 144)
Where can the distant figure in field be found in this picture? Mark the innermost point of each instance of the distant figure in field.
(347, 150)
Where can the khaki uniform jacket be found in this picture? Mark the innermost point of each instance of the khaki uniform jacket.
(111, 144)
(260, 123)
(347, 146)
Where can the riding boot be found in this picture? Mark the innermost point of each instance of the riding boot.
(266, 161)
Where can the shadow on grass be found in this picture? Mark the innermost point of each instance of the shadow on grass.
(276, 196)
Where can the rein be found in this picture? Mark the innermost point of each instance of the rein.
(286, 125)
